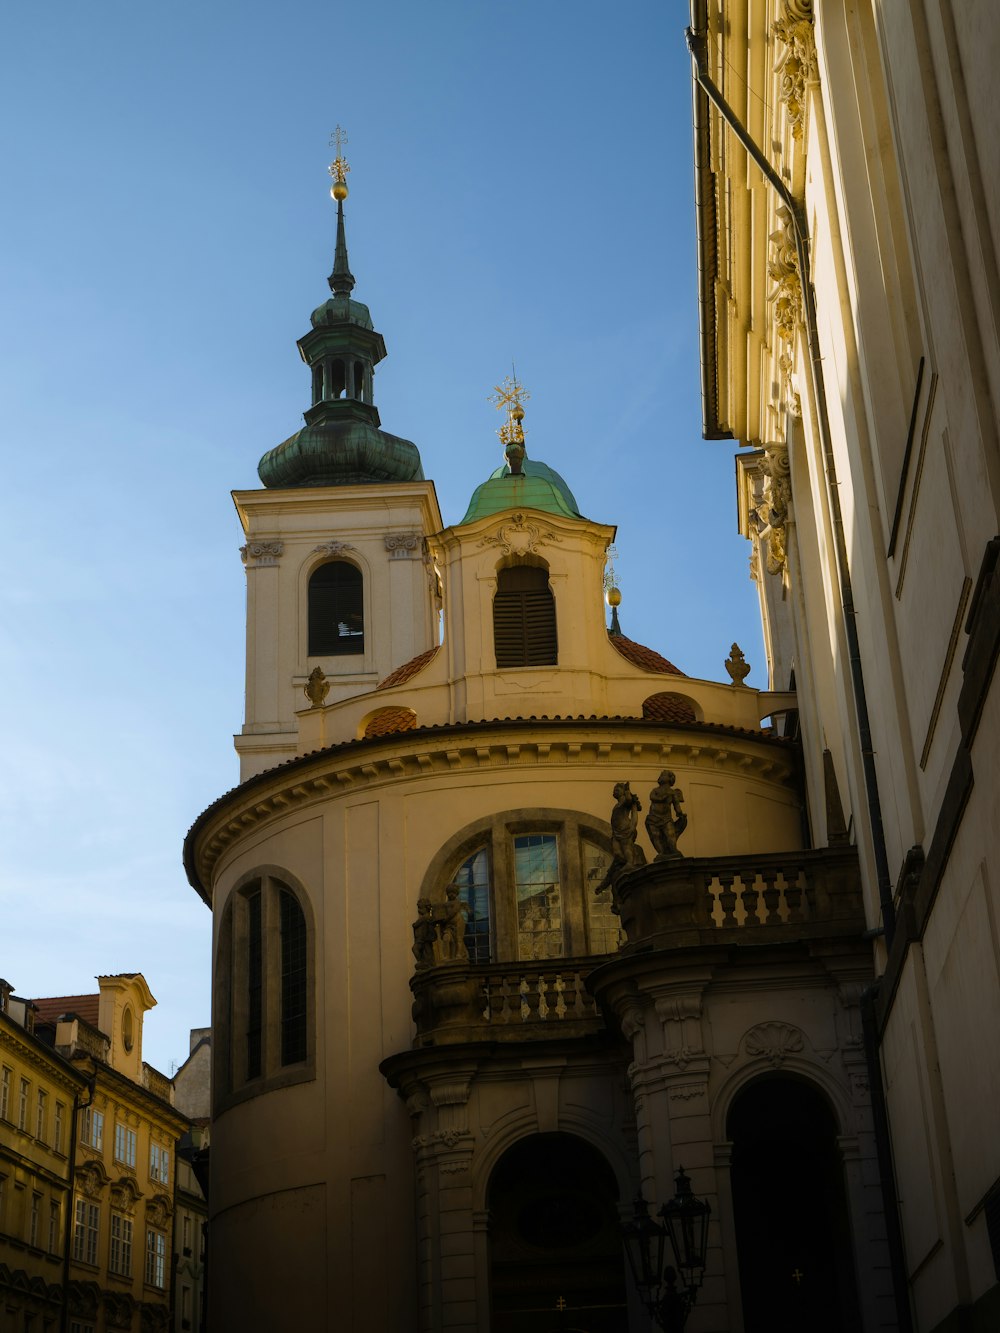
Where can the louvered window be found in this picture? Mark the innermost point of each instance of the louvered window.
(336, 610)
(524, 618)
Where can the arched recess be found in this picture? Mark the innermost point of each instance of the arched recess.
(555, 1249)
(265, 987)
(669, 706)
(790, 1209)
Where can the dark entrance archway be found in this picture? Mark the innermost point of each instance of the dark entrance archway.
(556, 1258)
(792, 1228)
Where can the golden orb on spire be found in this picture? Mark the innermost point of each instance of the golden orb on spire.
(338, 167)
(614, 596)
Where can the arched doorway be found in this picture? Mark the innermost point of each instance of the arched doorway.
(792, 1229)
(556, 1258)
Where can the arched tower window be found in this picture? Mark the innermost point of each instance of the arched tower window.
(524, 618)
(317, 377)
(359, 379)
(338, 380)
(336, 610)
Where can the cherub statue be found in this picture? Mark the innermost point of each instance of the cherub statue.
(317, 687)
(625, 855)
(666, 820)
(424, 933)
(451, 918)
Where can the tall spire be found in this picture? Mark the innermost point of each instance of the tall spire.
(341, 279)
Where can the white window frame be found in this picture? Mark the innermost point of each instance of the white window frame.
(23, 1099)
(126, 1142)
(5, 1092)
(156, 1259)
(92, 1128)
(159, 1164)
(120, 1249)
(86, 1229)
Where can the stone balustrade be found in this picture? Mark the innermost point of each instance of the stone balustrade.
(156, 1083)
(758, 898)
(464, 1001)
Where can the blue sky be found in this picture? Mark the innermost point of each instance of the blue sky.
(521, 188)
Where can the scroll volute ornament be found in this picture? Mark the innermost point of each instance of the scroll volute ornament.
(796, 64)
(783, 269)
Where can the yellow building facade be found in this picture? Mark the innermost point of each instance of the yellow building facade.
(39, 1093)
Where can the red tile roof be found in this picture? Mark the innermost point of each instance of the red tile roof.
(54, 1006)
(667, 707)
(408, 670)
(641, 656)
(388, 720)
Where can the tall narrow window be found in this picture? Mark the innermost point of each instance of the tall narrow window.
(5, 1082)
(473, 880)
(255, 985)
(336, 610)
(524, 618)
(293, 980)
(88, 1220)
(337, 379)
(120, 1253)
(539, 909)
(22, 1104)
(317, 384)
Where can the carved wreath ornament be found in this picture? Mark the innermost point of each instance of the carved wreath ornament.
(519, 537)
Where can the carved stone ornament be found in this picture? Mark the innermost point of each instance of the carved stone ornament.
(519, 537)
(91, 1180)
(626, 854)
(773, 1042)
(155, 1318)
(737, 666)
(796, 65)
(261, 553)
(772, 511)
(666, 820)
(332, 548)
(317, 687)
(158, 1212)
(402, 545)
(118, 1310)
(123, 1196)
(783, 270)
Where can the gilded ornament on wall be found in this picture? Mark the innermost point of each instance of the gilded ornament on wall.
(797, 64)
(783, 269)
(772, 512)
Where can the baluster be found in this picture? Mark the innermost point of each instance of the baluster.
(550, 997)
(727, 897)
(749, 900)
(558, 990)
(772, 897)
(793, 897)
(506, 1014)
(487, 998)
(530, 996)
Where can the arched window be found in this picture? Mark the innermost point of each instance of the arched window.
(263, 987)
(473, 880)
(336, 610)
(524, 618)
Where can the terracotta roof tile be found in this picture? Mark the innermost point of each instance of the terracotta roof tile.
(642, 657)
(389, 720)
(408, 670)
(54, 1006)
(667, 707)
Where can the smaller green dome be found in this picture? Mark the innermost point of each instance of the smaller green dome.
(537, 486)
(341, 310)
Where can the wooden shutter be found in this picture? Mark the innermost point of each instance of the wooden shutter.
(524, 618)
(336, 610)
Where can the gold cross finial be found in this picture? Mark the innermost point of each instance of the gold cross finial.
(339, 167)
(511, 394)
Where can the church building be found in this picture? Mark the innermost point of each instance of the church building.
(513, 920)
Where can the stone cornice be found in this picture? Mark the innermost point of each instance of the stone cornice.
(498, 744)
(35, 1052)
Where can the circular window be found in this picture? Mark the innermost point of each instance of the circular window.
(128, 1036)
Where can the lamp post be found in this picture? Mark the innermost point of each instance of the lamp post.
(685, 1225)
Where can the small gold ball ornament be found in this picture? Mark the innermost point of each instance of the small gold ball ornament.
(518, 413)
(338, 191)
(614, 597)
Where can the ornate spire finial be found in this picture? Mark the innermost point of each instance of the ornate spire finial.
(612, 593)
(511, 395)
(341, 279)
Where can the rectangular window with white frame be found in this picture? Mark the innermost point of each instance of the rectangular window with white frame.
(22, 1104)
(125, 1144)
(36, 1209)
(6, 1079)
(159, 1164)
(120, 1254)
(85, 1232)
(92, 1128)
(57, 1127)
(156, 1258)
(41, 1115)
(53, 1227)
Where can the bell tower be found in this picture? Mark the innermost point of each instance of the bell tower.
(335, 553)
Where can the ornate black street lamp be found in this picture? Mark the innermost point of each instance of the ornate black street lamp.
(685, 1225)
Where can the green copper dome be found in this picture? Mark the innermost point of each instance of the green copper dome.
(342, 443)
(537, 486)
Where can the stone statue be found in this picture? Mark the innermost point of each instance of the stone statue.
(451, 920)
(424, 933)
(317, 687)
(737, 665)
(625, 855)
(666, 820)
